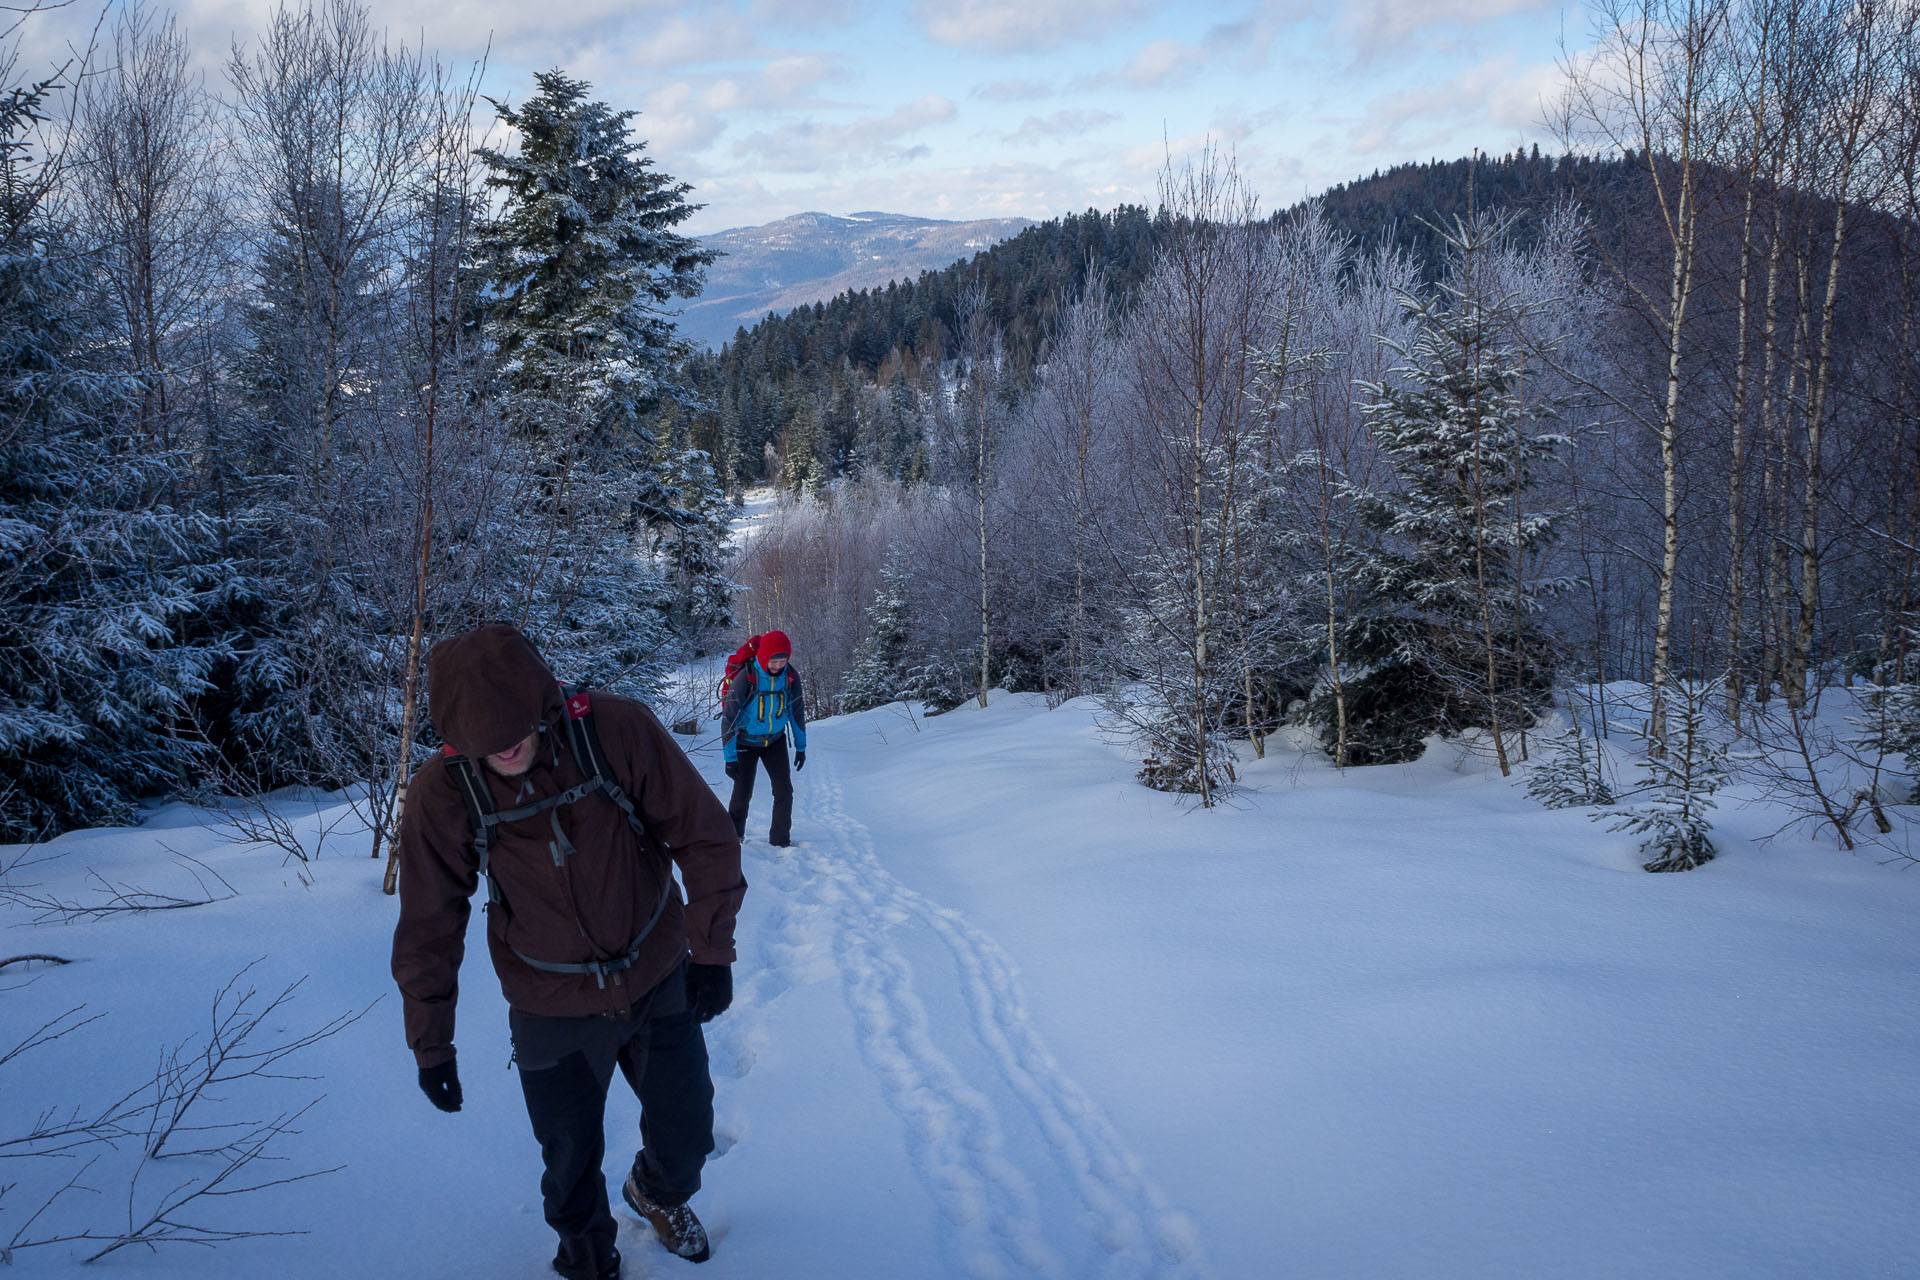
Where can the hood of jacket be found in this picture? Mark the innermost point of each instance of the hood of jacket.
(488, 688)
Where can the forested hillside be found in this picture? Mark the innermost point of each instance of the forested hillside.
(1413, 457)
(814, 354)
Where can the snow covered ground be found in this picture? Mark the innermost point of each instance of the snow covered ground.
(1005, 1013)
(758, 506)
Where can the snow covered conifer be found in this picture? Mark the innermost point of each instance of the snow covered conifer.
(689, 526)
(1451, 608)
(584, 258)
(1678, 789)
(95, 575)
(1569, 774)
(1889, 721)
(584, 263)
(881, 670)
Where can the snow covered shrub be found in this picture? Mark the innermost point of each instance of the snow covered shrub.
(1392, 704)
(1890, 723)
(1678, 789)
(945, 680)
(1570, 774)
(1170, 753)
(1171, 766)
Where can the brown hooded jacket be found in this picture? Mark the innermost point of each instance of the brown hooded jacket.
(487, 689)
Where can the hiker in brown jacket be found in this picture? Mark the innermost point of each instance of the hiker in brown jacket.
(601, 961)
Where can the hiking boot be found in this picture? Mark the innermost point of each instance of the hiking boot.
(610, 1271)
(679, 1230)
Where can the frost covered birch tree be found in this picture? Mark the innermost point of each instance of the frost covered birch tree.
(1648, 91)
(1192, 382)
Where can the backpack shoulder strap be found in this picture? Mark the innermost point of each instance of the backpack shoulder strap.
(482, 818)
(585, 741)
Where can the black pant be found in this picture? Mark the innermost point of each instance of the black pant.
(566, 1068)
(774, 756)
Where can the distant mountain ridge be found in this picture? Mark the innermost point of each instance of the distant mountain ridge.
(813, 257)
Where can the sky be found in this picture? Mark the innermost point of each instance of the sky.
(993, 108)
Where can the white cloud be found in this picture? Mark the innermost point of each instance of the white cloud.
(565, 34)
(1012, 91)
(690, 114)
(810, 147)
(681, 41)
(1021, 26)
(1166, 63)
(1235, 124)
(783, 83)
(674, 119)
(1151, 157)
(1061, 124)
(1385, 25)
(1493, 93)
(804, 15)
(784, 79)
(1161, 62)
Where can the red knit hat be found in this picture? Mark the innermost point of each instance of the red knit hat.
(774, 644)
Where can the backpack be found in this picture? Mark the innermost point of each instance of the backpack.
(482, 818)
(737, 662)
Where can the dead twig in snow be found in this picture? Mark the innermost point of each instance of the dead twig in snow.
(232, 1051)
(32, 956)
(118, 899)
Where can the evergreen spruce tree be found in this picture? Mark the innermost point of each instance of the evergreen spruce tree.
(96, 575)
(689, 535)
(1569, 775)
(1676, 794)
(1156, 704)
(882, 670)
(802, 467)
(1889, 716)
(584, 263)
(1447, 639)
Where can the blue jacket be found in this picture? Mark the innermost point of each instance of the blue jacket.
(763, 708)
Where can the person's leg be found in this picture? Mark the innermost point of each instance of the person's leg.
(742, 790)
(780, 779)
(667, 1067)
(567, 1104)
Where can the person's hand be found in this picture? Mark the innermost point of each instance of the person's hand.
(733, 769)
(799, 761)
(709, 990)
(441, 1084)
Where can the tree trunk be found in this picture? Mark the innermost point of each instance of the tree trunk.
(1736, 476)
(1681, 293)
(1773, 481)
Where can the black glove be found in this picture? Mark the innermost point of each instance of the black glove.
(709, 990)
(733, 768)
(441, 1084)
(799, 761)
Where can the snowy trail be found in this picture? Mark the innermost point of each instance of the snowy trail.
(929, 1018)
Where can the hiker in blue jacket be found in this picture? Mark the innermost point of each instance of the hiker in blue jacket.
(761, 704)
